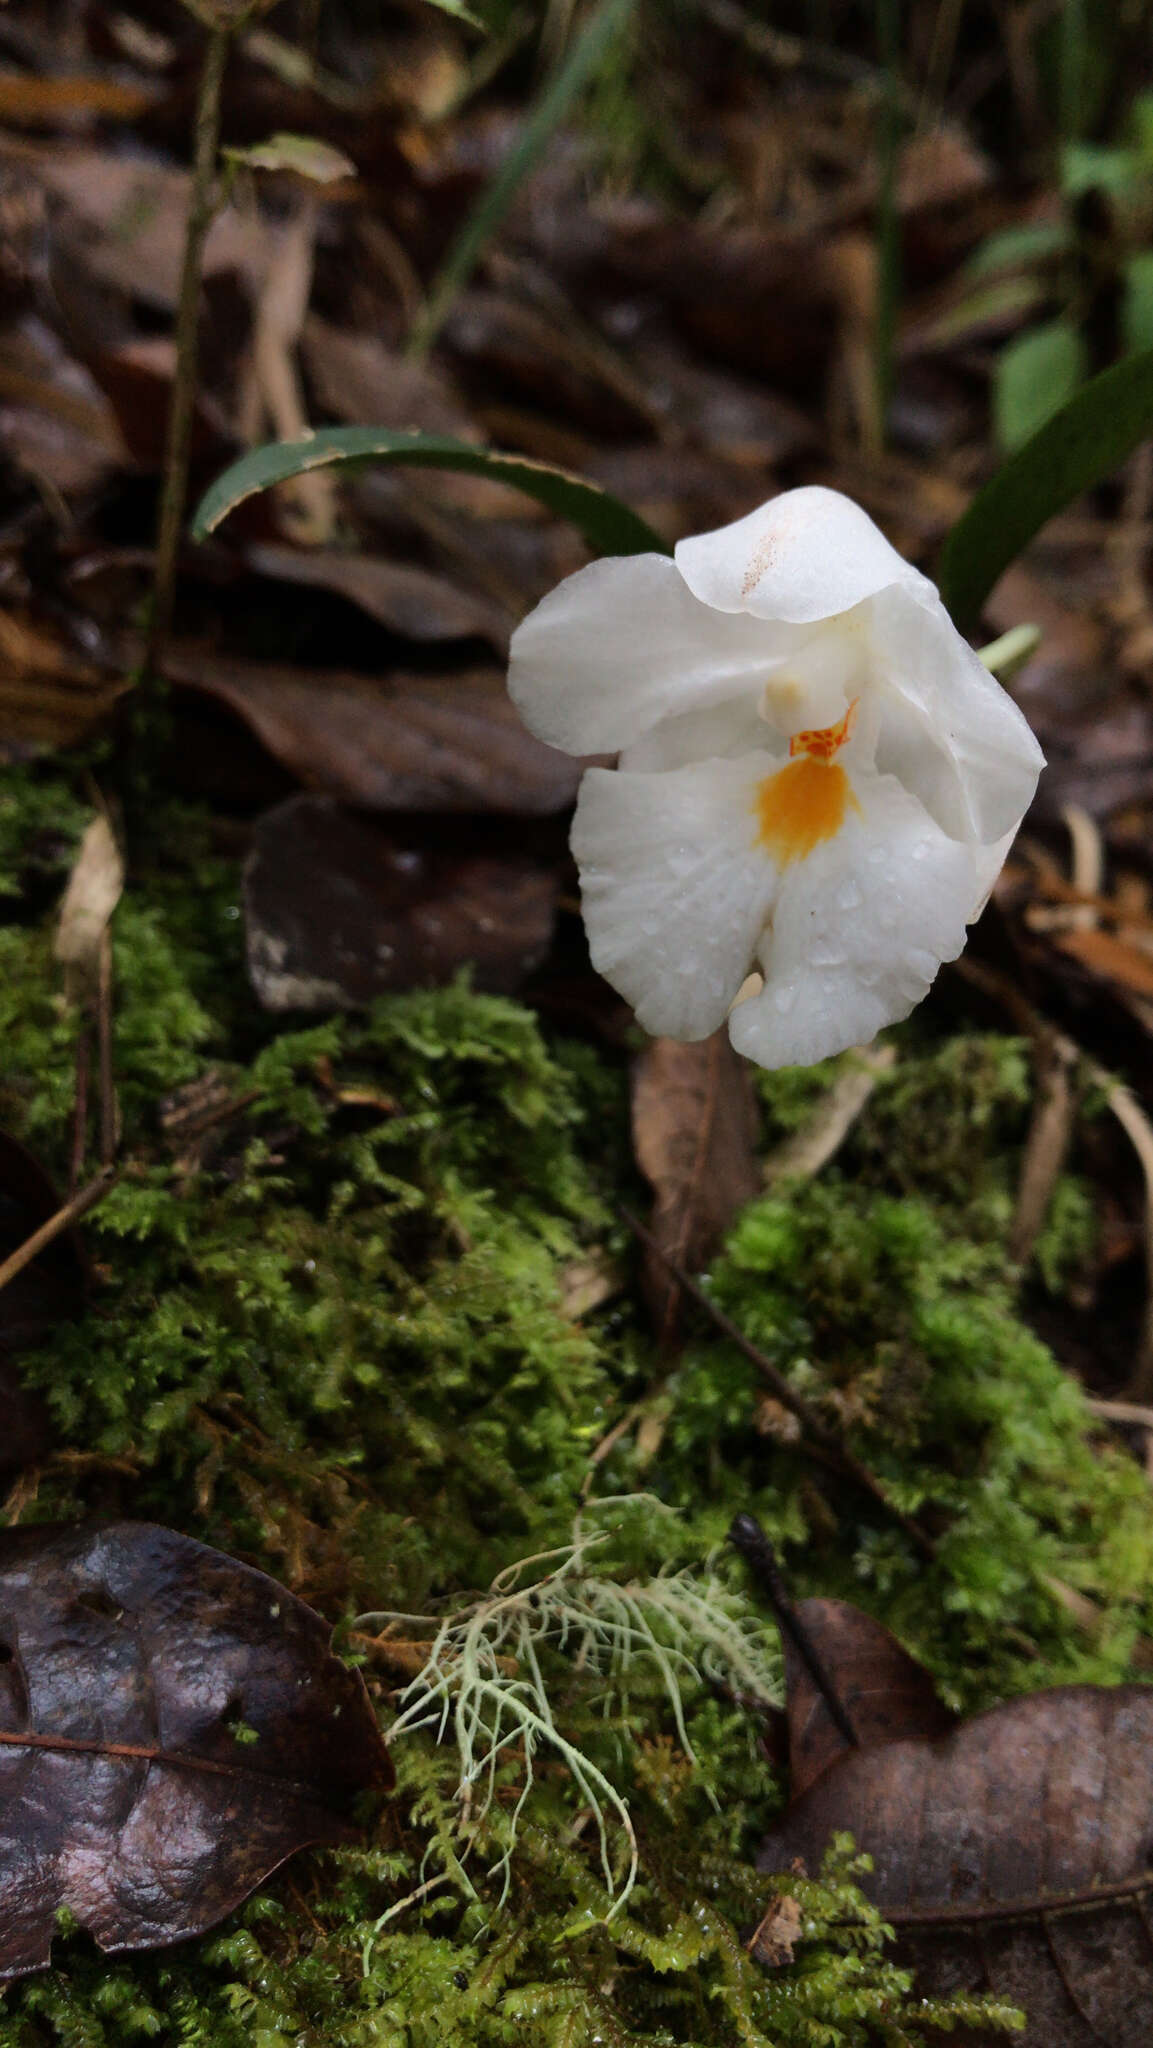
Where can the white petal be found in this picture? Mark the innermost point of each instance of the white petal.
(948, 731)
(802, 556)
(988, 862)
(623, 644)
(719, 732)
(675, 888)
(858, 932)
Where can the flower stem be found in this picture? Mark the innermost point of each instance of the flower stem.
(180, 416)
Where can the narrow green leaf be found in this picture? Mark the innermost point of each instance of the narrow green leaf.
(579, 66)
(1035, 374)
(1137, 304)
(1082, 444)
(1018, 248)
(607, 524)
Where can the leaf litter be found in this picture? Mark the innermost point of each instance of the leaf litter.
(1009, 1851)
(174, 1726)
(691, 340)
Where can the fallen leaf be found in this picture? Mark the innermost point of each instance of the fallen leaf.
(132, 215)
(407, 600)
(358, 378)
(173, 1724)
(49, 696)
(339, 910)
(54, 418)
(1110, 958)
(30, 102)
(778, 1934)
(136, 378)
(694, 1122)
(1010, 1851)
(401, 742)
(885, 1692)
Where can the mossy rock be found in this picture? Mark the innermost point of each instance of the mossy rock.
(328, 1332)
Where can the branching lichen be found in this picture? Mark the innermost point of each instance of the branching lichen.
(485, 1677)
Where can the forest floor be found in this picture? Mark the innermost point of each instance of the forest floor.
(358, 1296)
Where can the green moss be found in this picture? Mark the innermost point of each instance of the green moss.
(328, 1332)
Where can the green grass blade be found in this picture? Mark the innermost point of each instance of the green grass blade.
(1083, 443)
(608, 525)
(581, 63)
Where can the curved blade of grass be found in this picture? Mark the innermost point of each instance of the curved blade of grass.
(607, 524)
(1082, 444)
(579, 66)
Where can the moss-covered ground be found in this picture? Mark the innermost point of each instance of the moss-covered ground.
(336, 1330)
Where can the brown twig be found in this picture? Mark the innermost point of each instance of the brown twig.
(80, 1106)
(747, 1536)
(61, 1221)
(109, 1117)
(1047, 1145)
(1129, 1113)
(787, 1395)
(182, 408)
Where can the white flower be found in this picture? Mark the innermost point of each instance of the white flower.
(818, 778)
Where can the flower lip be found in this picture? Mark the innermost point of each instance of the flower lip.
(823, 741)
(802, 805)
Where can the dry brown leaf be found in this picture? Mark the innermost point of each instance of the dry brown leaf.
(778, 1934)
(1111, 958)
(694, 1120)
(340, 910)
(358, 378)
(48, 695)
(984, 1833)
(27, 101)
(407, 600)
(132, 217)
(405, 742)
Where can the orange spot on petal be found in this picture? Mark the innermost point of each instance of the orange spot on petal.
(823, 741)
(802, 805)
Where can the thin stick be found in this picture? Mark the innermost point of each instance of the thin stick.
(109, 1119)
(56, 1225)
(747, 1536)
(797, 1405)
(80, 1106)
(145, 1753)
(888, 230)
(182, 408)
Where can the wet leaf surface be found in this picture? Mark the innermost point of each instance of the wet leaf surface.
(340, 909)
(401, 742)
(989, 1837)
(173, 1724)
(409, 601)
